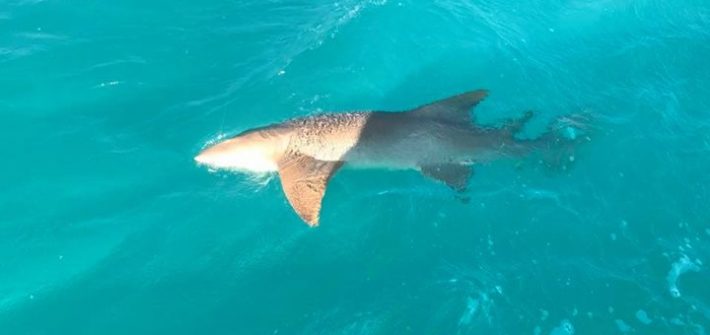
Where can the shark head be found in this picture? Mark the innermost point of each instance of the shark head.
(253, 151)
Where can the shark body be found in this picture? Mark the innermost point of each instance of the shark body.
(439, 139)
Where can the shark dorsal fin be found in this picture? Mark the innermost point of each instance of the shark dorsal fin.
(455, 108)
(304, 180)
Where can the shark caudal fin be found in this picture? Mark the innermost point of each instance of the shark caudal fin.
(559, 144)
(455, 108)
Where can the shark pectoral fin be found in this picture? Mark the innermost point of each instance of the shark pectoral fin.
(454, 108)
(304, 180)
(455, 176)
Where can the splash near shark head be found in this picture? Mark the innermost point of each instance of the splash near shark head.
(440, 139)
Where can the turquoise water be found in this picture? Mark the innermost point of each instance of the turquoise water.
(108, 227)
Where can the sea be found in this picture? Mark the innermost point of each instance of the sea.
(107, 225)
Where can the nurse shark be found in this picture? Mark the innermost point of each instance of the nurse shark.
(439, 139)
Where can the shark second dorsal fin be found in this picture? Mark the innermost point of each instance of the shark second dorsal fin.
(304, 180)
(455, 108)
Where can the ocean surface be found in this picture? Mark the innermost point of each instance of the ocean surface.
(107, 225)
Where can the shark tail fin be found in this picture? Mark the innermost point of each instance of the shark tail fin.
(559, 144)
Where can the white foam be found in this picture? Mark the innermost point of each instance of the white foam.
(108, 83)
(681, 266)
(565, 328)
(622, 326)
(642, 316)
(261, 179)
(471, 308)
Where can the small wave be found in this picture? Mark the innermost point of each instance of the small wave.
(565, 328)
(29, 2)
(108, 84)
(39, 35)
(14, 53)
(683, 265)
(327, 27)
(622, 326)
(642, 316)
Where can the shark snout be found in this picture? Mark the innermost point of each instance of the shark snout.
(209, 156)
(201, 158)
(215, 154)
(240, 156)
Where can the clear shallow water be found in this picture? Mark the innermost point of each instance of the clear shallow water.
(108, 227)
